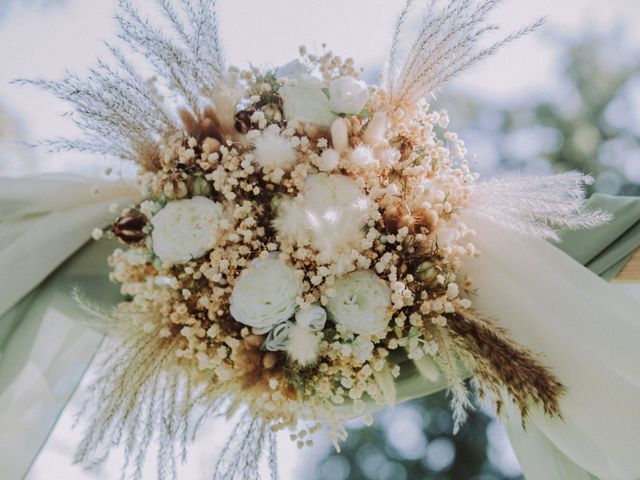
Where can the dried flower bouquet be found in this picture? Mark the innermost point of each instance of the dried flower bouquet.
(300, 232)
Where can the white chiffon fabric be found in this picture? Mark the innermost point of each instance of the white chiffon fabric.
(44, 346)
(588, 332)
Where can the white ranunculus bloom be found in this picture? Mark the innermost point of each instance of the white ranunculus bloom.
(264, 294)
(186, 229)
(348, 95)
(278, 338)
(306, 101)
(361, 304)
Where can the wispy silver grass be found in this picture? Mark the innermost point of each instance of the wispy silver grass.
(142, 397)
(460, 398)
(122, 113)
(537, 205)
(447, 44)
(240, 457)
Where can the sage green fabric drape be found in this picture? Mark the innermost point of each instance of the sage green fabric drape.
(606, 249)
(44, 347)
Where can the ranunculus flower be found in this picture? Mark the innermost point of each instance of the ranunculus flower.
(306, 101)
(348, 95)
(264, 294)
(361, 304)
(186, 229)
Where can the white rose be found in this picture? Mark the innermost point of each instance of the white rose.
(306, 101)
(348, 95)
(264, 294)
(361, 303)
(186, 229)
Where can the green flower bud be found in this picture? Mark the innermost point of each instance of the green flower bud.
(200, 187)
(426, 272)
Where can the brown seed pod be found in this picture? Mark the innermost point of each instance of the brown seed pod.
(243, 121)
(129, 228)
(174, 186)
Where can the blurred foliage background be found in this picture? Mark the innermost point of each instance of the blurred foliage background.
(591, 124)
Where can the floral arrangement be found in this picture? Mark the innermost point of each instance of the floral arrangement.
(300, 241)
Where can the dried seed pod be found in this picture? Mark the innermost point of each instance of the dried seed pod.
(174, 186)
(269, 360)
(129, 228)
(255, 340)
(243, 121)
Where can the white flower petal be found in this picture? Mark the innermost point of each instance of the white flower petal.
(348, 95)
(306, 101)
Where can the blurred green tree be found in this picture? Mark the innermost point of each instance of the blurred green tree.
(591, 122)
(7, 5)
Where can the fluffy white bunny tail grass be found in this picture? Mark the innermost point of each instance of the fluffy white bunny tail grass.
(537, 206)
(445, 46)
(243, 451)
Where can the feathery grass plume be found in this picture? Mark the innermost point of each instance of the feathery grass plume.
(497, 362)
(445, 46)
(390, 70)
(537, 206)
(142, 395)
(447, 360)
(121, 113)
(240, 457)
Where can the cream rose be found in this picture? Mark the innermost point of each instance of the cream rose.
(361, 304)
(264, 294)
(348, 95)
(306, 101)
(186, 229)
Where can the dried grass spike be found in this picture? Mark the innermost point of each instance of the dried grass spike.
(499, 361)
